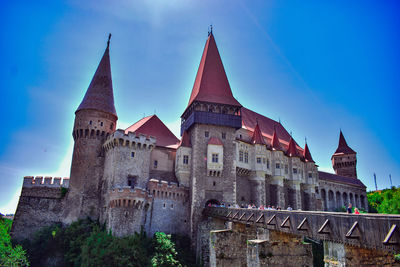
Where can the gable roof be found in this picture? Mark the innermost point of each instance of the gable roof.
(153, 126)
(340, 179)
(257, 136)
(215, 141)
(343, 148)
(100, 95)
(211, 83)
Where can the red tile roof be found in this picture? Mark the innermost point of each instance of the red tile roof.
(211, 84)
(185, 141)
(99, 95)
(340, 179)
(257, 136)
(292, 150)
(343, 148)
(267, 128)
(215, 141)
(153, 126)
(307, 154)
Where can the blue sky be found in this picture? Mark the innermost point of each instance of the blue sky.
(318, 66)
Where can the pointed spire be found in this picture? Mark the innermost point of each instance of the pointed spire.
(185, 141)
(292, 149)
(211, 84)
(343, 148)
(307, 154)
(257, 138)
(275, 144)
(99, 95)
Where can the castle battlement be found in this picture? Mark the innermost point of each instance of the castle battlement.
(127, 197)
(165, 190)
(38, 181)
(132, 140)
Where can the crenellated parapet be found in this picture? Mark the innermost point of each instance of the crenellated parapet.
(135, 141)
(127, 197)
(164, 190)
(40, 181)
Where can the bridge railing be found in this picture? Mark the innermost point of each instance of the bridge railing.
(372, 231)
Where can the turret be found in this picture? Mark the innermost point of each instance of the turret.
(95, 120)
(344, 160)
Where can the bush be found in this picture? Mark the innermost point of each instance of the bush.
(10, 255)
(385, 201)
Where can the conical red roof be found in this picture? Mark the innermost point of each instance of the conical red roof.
(211, 84)
(292, 150)
(275, 144)
(153, 126)
(307, 154)
(257, 136)
(99, 95)
(185, 141)
(343, 148)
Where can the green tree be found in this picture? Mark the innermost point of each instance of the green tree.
(385, 201)
(165, 253)
(9, 255)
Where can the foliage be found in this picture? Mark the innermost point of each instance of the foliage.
(10, 255)
(165, 253)
(64, 191)
(87, 243)
(385, 201)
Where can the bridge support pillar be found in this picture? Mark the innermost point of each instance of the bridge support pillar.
(336, 254)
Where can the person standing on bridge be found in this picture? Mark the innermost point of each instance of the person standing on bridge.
(349, 208)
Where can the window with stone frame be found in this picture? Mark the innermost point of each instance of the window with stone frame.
(215, 157)
(223, 135)
(310, 175)
(155, 164)
(241, 156)
(277, 166)
(206, 133)
(258, 160)
(132, 181)
(185, 159)
(132, 154)
(294, 170)
(246, 157)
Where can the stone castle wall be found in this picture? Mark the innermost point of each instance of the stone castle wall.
(41, 204)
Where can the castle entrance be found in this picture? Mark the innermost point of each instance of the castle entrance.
(212, 202)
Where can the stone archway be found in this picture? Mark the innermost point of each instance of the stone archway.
(331, 201)
(338, 200)
(324, 202)
(212, 202)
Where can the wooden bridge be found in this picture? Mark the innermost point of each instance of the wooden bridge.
(370, 231)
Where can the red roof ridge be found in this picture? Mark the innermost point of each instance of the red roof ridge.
(257, 136)
(292, 149)
(100, 95)
(215, 141)
(343, 148)
(153, 126)
(211, 83)
(185, 141)
(307, 154)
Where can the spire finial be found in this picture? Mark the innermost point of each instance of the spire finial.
(305, 139)
(210, 30)
(109, 38)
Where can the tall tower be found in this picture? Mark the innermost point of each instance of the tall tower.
(344, 160)
(211, 120)
(95, 119)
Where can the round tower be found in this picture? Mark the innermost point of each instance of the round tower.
(95, 119)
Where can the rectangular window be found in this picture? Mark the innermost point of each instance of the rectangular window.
(215, 158)
(206, 133)
(309, 175)
(223, 135)
(155, 164)
(246, 157)
(186, 159)
(267, 163)
(101, 123)
(132, 154)
(277, 166)
(259, 160)
(286, 169)
(131, 181)
(294, 170)
(241, 156)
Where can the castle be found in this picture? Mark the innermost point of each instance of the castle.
(144, 177)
